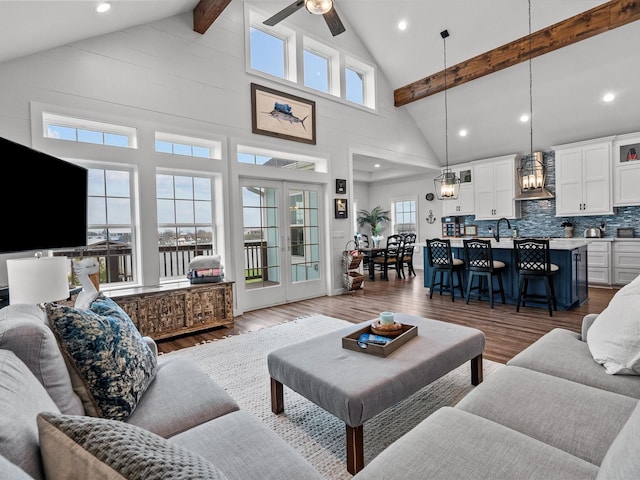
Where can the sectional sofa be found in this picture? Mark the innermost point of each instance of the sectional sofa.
(182, 425)
(564, 408)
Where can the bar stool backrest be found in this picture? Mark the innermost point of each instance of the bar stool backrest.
(439, 252)
(478, 254)
(532, 255)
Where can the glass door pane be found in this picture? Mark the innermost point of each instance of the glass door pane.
(304, 235)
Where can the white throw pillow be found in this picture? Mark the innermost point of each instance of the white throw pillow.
(614, 337)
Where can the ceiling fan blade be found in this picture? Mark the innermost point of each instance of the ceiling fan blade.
(333, 22)
(284, 13)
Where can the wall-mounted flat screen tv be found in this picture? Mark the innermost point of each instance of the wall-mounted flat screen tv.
(43, 200)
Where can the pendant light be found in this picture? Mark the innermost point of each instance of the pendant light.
(532, 171)
(448, 183)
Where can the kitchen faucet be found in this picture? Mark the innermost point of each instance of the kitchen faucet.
(497, 234)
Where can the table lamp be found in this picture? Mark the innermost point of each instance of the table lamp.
(38, 279)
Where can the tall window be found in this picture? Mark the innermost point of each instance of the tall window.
(360, 82)
(404, 217)
(316, 71)
(268, 53)
(185, 221)
(355, 86)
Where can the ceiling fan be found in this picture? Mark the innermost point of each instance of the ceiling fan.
(317, 7)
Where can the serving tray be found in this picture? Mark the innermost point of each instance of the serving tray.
(350, 342)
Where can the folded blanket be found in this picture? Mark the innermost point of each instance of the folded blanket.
(195, 281)
(204, 261)
(206, 272)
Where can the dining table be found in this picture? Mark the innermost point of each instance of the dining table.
(370, 253)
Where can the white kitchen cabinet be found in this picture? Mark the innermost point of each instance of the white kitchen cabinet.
(599, 262)
(626, 170)
(495, 187)
(626, 261)
(583, 178)
(465, 203)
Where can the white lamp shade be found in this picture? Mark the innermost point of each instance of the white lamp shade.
(37, 280)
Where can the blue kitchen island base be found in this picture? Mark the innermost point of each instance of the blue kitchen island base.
(571, 281)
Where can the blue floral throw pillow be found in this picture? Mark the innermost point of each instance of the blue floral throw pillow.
(104, 348)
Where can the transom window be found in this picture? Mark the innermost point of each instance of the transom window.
(187, 146)
(88, 131)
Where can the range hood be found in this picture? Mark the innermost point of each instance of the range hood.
(531, 178)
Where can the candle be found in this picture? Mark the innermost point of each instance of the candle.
(386, 318)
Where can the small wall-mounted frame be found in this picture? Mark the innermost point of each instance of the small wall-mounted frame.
(470, 230)
(629, 153)
(341, 210)
(281, 115)
(341, 185)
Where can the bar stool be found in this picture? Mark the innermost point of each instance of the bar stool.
(533, 262)
(480, 263)
(441, 261)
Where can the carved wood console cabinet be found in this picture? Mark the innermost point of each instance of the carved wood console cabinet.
(165, 312)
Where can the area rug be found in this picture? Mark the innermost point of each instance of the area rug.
(239, 365)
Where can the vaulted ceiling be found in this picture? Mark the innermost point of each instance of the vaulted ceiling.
(568, 83)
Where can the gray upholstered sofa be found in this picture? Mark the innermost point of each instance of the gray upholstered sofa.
(208, 435)
(552, 412)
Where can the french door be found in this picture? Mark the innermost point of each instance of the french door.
(282, 244)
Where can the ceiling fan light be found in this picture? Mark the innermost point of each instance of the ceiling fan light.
(318, 7)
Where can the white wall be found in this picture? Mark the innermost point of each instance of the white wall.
(163, 75)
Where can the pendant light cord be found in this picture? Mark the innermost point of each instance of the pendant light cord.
(445, 34)
(530, 89)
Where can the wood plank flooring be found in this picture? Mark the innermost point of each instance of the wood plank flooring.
(506, 331)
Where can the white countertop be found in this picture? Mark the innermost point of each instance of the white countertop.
(560, 243)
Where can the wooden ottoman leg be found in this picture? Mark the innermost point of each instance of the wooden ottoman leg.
(355, 449)
(277, 397)
(476, 370)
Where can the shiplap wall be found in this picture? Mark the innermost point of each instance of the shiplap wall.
(164, 76)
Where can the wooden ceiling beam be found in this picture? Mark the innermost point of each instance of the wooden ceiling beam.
(603, 18)
(206, 12)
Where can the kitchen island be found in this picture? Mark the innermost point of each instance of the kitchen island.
(570, 283)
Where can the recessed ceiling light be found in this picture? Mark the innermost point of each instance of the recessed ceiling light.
(609, 97)
(103, 7)
(463, 133)
(377, 165)
(524, 118)
(402, 25)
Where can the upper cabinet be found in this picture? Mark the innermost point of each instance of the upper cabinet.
(494, 187)
(583, 178)
(626, 170)
(465, 203)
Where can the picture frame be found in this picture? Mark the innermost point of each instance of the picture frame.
(471, 230)
(341, 210)
(281, 115)
(341, 185)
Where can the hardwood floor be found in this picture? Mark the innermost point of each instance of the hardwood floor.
(506, 331)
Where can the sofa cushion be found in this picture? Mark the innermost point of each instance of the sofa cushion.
(622, 459)
(24, 331)
(565, 414)
(614, 337)
(562, 353)
(180, 397)
(79, 447)
(22, 397)
(454, 444)
(103, 346)
(257, 451)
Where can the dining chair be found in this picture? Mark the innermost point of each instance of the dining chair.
(390, 257)
(409, 246)
(441, 262)
(533, 262)
(481, 265)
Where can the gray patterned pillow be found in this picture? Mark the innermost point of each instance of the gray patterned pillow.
(86, 447)
(106, 350)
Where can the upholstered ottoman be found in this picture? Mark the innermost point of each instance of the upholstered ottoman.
(355, 386)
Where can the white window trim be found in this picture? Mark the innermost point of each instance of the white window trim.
(333, 62)
(369, 74)
(321, 163)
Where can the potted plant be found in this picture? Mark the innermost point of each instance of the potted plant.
(568, 228)
(375, 218)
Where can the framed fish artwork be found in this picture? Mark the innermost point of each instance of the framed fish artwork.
(282, 115)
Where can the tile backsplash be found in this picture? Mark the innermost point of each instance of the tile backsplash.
(538, 216)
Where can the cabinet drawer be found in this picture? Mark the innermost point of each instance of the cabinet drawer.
(598, 247)
(599, 275)
(598, 259)
(625, 276)
(626, 247)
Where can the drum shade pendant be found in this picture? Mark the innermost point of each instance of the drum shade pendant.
(448, 183)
